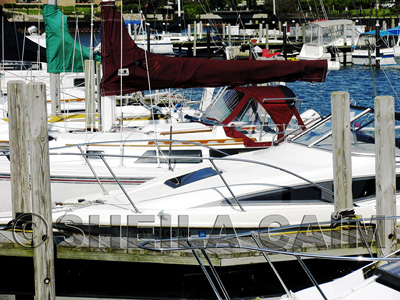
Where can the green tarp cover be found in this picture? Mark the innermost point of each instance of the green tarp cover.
(64, 54)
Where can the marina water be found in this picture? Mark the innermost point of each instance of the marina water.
(356, 80)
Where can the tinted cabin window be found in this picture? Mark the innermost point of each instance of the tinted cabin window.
(190, 177)
(93, 154)
(79, 82)
(362, 188)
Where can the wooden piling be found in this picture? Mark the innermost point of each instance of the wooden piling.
(55, 93)
(378, 45)
(385, 173)
(229, 35)
(41, 197)
(208, 41)
(342, 176)
(135, 30)
(90, 105)
(148, 36)
(284, 37)
(99, 107)
(194, 38)
(19, 160)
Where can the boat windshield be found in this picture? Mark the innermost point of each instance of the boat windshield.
(326, 35)
(362, 126)
(367, 41)
(220, 109)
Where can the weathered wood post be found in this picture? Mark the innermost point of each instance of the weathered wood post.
(55, 93)
(148, 36)
(194, 38)
(342, 175)
(378, 46)
(284, 37)
(135, 30)
(208, 41)
(201, 29)
(19, 160)
(41, 198)
(90, 104)
(99, 106)
(385, 166)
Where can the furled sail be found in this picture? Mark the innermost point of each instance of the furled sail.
(16, 46)
(141, 70)
(64, 54)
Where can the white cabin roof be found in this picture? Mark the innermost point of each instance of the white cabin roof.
(329, 23)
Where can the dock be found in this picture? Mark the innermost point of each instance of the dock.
(94, 265)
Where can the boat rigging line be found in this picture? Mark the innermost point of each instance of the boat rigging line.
(394, 91)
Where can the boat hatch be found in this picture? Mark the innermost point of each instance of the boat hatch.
(190, 177)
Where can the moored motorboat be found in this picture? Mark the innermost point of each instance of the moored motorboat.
(365, 52)
(379, 279)
(283, 184)
(322, 39)
(241, 119)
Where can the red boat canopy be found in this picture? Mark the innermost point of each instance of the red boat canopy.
(143, 70)
(278, 101)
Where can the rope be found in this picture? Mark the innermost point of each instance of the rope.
(383, 69)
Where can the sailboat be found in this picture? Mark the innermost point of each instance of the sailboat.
(40, 58)
(244, 119)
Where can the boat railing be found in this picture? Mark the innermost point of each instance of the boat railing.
(246, 241)
(168, 158)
